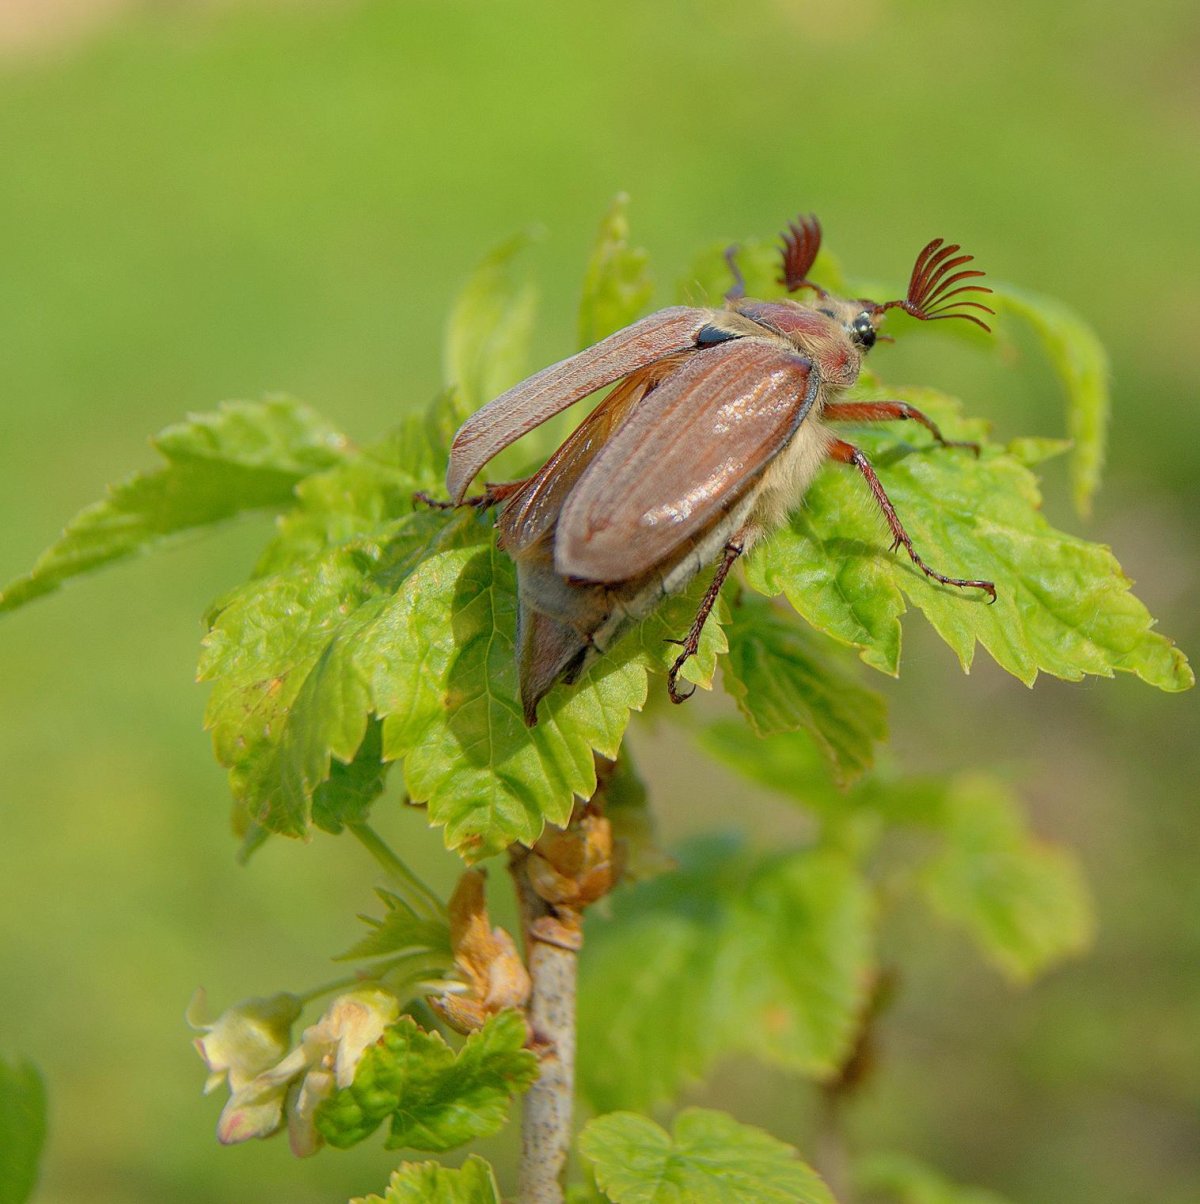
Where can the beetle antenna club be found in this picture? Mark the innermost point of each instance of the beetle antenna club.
(931, 286)
(801, 242)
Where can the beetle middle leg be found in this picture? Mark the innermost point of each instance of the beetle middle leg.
(493, 494)
(733, 549)
(847, 453)
(889, 411)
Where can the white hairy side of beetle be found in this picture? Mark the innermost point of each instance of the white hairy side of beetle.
(789, 475)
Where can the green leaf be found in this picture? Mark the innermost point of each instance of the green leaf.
(769, 957)
(243, 456)
(490, 327)
(628, 811)
(22, 1130)
(469, 755)
(791, 764)
(1063, 604)
(709, 1159)
(435, 1099)
(1034, 449)
(291, 706)
(1021, 900)
(787, 678)
(802, 960)
(617, 284)
(1081, 362)
(446, 684)
(430, 1183)
(440, 422)
(400, 930)
(291, 691)
(288, 695)
(357, 498)
(905, 1180)
(585, 1193)
(345, 797)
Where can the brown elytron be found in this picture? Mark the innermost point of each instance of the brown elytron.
(713, 432)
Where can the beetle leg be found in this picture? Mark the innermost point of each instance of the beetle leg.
(733, 549)
(738, 289)
(888, 411)
(847, 453)
(493, 494)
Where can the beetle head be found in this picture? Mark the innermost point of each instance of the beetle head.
(935, 283)
(858, 319)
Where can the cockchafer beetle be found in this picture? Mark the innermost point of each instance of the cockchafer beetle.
(712, 433)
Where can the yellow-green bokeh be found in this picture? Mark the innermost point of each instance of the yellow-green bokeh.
(200, 203)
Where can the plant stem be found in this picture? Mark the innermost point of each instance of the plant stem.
(552, 950)
(418, 895)
(566, 871)
(831, 1156)
(327, 988)
(403, 974)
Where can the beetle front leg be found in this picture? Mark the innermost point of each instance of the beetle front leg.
(493, 494)
(889, 411)
(733, 549)
(847, 453)
(737, 290)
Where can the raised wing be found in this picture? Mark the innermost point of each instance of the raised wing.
(503, 421)
(532, 511)
(685, 454)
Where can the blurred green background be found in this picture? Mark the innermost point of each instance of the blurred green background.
(199, 202)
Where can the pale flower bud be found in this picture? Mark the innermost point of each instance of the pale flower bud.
(254, 1111)
(327, 1057)
(245, 1039)
(351, 1023)
(333, 1048)
(316, 1087)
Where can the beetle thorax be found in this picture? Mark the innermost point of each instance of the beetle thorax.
(822, 333)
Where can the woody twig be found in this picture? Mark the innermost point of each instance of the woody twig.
(555, 880)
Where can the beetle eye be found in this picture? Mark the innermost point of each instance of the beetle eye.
(863, 331)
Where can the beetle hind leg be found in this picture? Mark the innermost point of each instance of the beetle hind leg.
(691, 643)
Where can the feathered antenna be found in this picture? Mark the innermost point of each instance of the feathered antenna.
(801, 242)
(931, 286)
